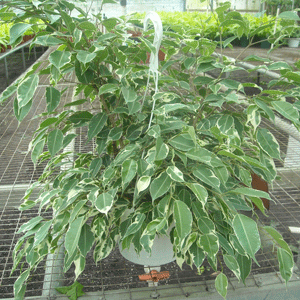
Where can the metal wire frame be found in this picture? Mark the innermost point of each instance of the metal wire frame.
(115, 274)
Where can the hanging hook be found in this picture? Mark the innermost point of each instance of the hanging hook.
(158, 33)
(153, 64)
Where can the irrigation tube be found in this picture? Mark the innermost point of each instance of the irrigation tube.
(250, 66)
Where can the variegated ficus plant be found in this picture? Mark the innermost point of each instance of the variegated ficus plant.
(175, 145)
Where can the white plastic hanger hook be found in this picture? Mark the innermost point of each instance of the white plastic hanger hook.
(158, 34)
(153, 65)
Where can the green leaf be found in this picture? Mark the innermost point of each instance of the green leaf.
(225, 123)
(221, 284)
(236, 244)
(103, 249)
(129, 94)
(47, 40)
(268, 143)
(37, 150)
(200, 154)
(27, 89)
(55, 74)
(199, 191)
(86, 25)
(73, 235)
(286, 264)
(68, 139)
(189, 62)
(237, 202)
(290, 15)
(161, 150)
(129, 169)
(266, 109)
(259, 204)
(247, 234)
(287, 110)
(86, 240)
(81, 116)
(251, 192)
(107, 88)
(245, 264)
(9, 91)
(17, 31)
(154, 131)
(104, 202)
(198, 210)
(45, 197)
(79, 264)
(160, 185)
(42, 233)
(84, 77)
(55, 141)
(95, 166)
(231, 84)
(136, 225)
(207, 176)
(115, 134)
(52, 98)
(175, 174)
(233, 265)
(73, 291)
(59, 58)
(183, 219)
(21, 113)
(222, 174)
(68, 19)
(143, 183)
(76, 102)
(20, 286)
(206, 225)
(105, 37)
(197, 254)
(224, 243)
(182, 142)
(96, 124)
(85, 56)
(278, 238)
(30, 224)
(209, 243)
(111, 22)
(134, 131)
(109, 1)
(127, 152)
(77, 35)
(61, 221)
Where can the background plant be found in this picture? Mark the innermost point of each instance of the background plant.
(190, 165)
(207, 25)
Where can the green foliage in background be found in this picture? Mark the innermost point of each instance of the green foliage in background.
(208, 24)
(5, 27)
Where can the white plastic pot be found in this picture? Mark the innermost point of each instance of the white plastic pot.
(162, 253)
(162, 250)
(293, 42)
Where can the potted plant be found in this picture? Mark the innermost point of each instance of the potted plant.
(170, 157)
